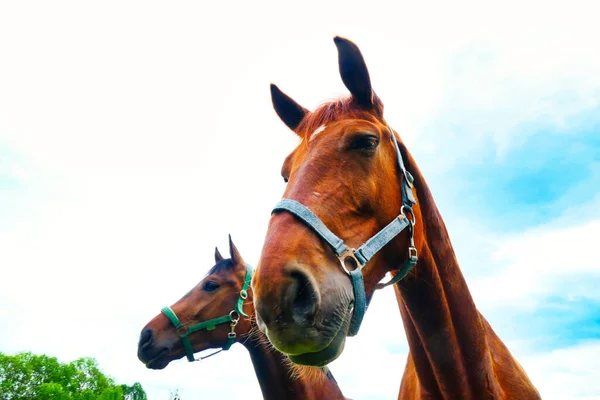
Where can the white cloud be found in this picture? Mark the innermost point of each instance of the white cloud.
(530, 266)
(11, 170)
(569, 373)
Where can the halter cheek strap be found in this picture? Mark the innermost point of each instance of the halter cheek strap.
(233, 318)
(358, 258)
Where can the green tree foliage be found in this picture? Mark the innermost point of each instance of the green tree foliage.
(134, 392)
(29, 376)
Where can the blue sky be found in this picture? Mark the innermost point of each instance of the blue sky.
(549, 169)
(127, 154)
(532, 184)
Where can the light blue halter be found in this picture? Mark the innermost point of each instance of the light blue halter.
(358, 258)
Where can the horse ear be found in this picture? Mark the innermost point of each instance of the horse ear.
(353, 71)
(290, 112)
(218, 256)
(236, 257)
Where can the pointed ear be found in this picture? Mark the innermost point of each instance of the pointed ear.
(236, 257)
(353, 71)
(218, 256)
(290, 112)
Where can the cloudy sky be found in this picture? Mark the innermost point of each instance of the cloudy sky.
(134, 136)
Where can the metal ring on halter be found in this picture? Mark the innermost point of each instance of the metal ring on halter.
(412, 219)
(244, 294)
(236, 318)
(349, 255)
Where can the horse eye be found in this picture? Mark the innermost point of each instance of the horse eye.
(285, 179)
(210, 286)
(365, 143)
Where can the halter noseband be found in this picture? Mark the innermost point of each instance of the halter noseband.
(361, 256)
(233, 317)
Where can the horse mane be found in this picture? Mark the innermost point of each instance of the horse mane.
(432, 219)
(337, 109)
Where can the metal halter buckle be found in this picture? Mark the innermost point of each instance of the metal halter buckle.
(349, 256)
(412, 252)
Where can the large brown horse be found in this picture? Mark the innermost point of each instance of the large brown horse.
(349, 180)
(209, 316)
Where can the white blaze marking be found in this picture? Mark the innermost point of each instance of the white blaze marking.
(316, 132)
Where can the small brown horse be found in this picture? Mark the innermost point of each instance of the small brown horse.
(350, 172)
(215, 296)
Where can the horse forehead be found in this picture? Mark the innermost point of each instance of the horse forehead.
(316, 132)
(356, 123)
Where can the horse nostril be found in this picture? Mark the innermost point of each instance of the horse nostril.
(146, 338)
(302, 298)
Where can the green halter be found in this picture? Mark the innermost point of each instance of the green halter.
(233, 317)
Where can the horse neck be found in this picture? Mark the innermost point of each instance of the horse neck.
(446, 334)
(276, 376)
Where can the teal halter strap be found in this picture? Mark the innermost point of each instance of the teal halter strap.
(358, 258)
(233, 318)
